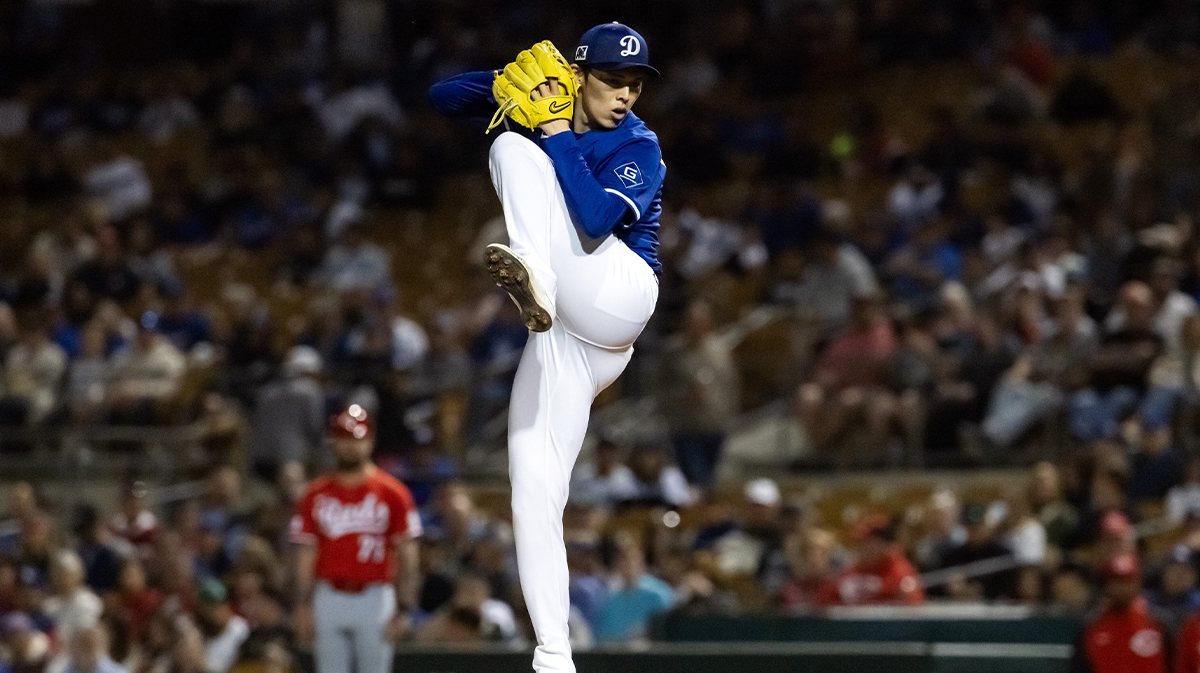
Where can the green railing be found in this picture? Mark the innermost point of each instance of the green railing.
(933, 639)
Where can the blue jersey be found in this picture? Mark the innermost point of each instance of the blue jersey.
(612, 179)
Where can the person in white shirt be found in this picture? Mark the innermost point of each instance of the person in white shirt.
(356, 263)
(1173, 306)
(657, 480)
(33, 373)
(72, 606)
(87, 652)
(604, 481)
(144, 375)
(224, 632)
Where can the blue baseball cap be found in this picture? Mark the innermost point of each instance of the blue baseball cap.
(613, 46)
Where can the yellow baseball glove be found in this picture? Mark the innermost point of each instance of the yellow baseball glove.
(534, 66)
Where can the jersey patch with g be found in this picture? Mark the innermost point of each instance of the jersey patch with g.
(629, 174)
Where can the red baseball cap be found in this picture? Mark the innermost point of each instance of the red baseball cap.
(1122, 567)
(352, 423)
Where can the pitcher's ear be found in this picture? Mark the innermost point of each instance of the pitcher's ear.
(580, 74)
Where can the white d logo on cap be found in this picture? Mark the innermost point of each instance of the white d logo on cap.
(632, 45)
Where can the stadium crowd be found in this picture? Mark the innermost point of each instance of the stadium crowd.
(961, 290)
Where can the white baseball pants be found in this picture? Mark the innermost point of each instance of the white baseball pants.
(603, 295)
(349, 629)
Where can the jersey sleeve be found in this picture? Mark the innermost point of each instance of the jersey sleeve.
(617, 193)
(303, 528)
(634, 174)
(408, 519)
(468, 95)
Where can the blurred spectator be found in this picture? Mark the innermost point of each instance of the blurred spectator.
(136, 603)
(604, 481)
(1034, 388)
(472, 592)
(695, 593)
(289, 416)
(835, 272)
(1184, 498)
(1174, 376)
(917, 271)
(33, 374)
(72, 606)
(944, 531)
(133, 521)
(981, 544)
(347, 105)
(1170, 306)
(1070, 588)
(248, 341)
(454, 521)
(101, 559)
(701, 401)
(1177, 596)
(145, 376)
(34, 549)
(153, 265)
(409, 343)
(1113, 640)
(1023, 533)
(1118, 368)
(188, 653)
(108, 274)
(1057, 516)
(810, 563)
(224, 631)
(655, 480)
(423, 470)
(588, 582)
(880, 573)
(916, 197)
(356, 263)
(28, 649)
(87, 375)
(88, 652)
(762, 525)
(459, 626)
(167, 112)
(1156, 466)
(180, 321)
(852, 380)
(625, 613)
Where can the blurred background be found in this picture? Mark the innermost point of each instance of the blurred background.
(931, 289)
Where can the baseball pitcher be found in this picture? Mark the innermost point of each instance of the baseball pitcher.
(581, 200)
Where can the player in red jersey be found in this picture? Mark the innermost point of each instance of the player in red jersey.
(356, 555)
(1125, 636)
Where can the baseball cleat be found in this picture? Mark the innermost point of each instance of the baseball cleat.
(514, 275)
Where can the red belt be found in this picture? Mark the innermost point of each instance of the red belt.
(350, 586)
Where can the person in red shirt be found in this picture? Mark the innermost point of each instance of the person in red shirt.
(881, 574)
(1125, 637)
(852, 382)
(356, 555)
